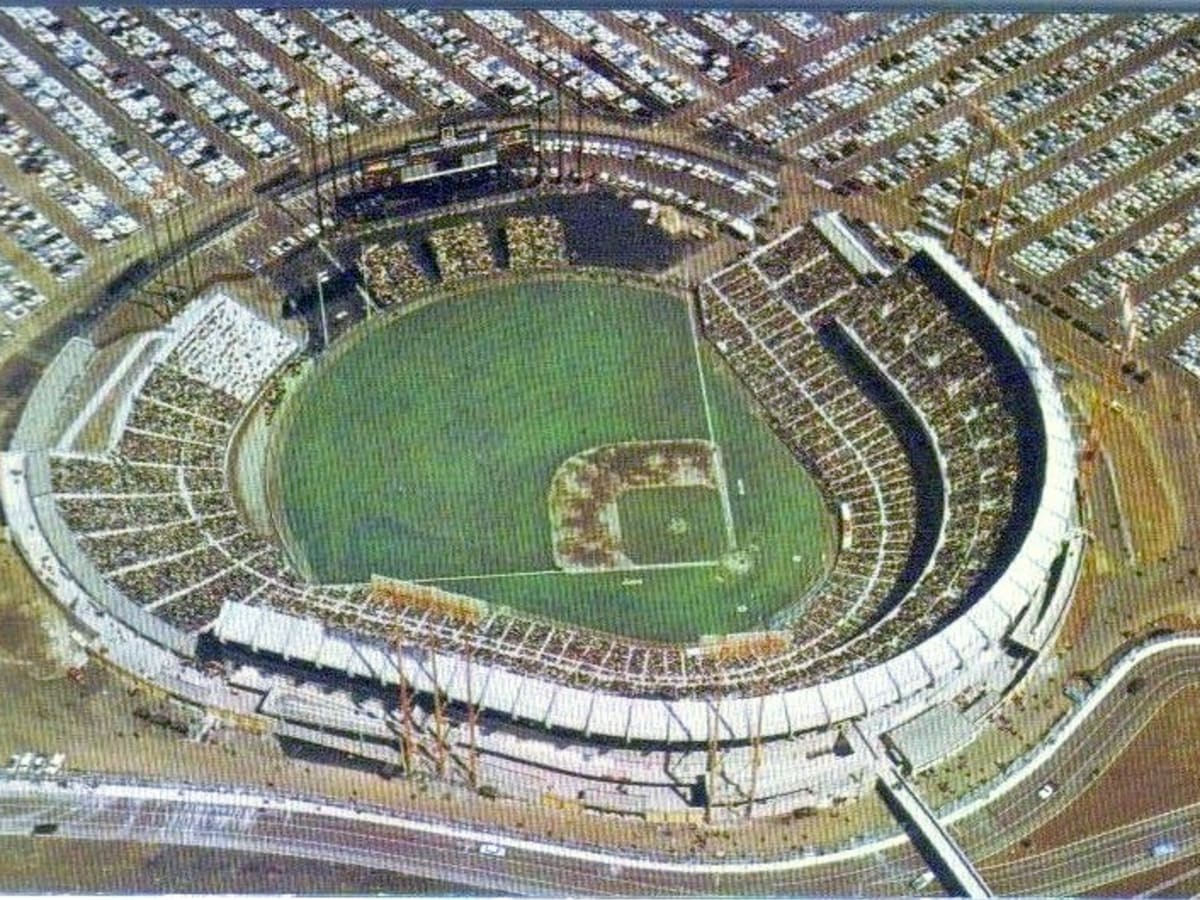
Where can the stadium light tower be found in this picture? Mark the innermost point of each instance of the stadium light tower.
(353, 173)
(1006, 187)
(472, 713)
(313, 158)
(558, 93)
(162, 300)
(165, 193)
(964, 178)
(578, 130)
(331, 148)
(713, 759)
(537, 102)
(405, 692)
(1129, 330)
(997, 133)
(440, 726)
(756, 751)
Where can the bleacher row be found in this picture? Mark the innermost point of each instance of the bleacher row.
(947, 376)
(768, 332)
(157, 518)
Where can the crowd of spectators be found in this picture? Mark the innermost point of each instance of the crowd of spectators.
(162, 531)
(157, 517)
(842, 437)
(949, 379)
(462, 251)
(535, 242)
(802, 268)
(392, 274)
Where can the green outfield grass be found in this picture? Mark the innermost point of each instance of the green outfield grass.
(424, 448)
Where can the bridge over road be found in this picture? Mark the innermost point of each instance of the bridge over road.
(950, 857)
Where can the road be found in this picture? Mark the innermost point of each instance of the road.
(99, 808)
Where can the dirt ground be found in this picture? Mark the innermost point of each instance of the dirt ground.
(1179, 879)
(33, 864)
(1149, 499)
(1133, 787)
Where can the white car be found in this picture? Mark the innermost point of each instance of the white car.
(1046, 791)
(922, 881)
(492, 850)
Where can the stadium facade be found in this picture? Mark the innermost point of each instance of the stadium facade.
(927, 414)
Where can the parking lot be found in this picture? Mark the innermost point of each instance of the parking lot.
(1061, 147)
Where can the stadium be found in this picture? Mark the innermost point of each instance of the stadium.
(761, 532)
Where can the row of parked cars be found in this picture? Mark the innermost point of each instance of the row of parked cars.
(31, 763)
(98, 213)
(362, 93)
(462, 53)
(553, 62)
(143, 106)
(393, 57)
(79, 123)
(650, 75)
(203, 92)
(264, 78)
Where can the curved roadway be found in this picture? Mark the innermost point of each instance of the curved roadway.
(247, 819)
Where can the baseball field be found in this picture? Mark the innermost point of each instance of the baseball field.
(423, 448)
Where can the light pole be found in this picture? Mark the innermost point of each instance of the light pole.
(322, 277)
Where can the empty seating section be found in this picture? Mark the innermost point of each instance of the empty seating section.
(229, 348)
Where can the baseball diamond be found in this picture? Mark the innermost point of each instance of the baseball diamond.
(432, 447)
